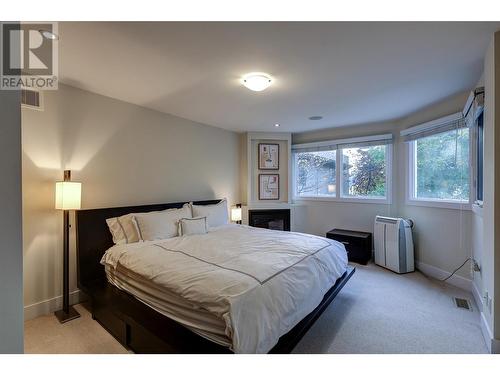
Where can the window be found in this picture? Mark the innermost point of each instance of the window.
(479, 159)
(356, 168)
(364, 172)
(440, 167)
(315, 173)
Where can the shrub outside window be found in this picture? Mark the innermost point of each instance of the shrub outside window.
(345, 170)
(315, 173)
(364, 172)
(440, 167)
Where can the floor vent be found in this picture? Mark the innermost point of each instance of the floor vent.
(462, 303)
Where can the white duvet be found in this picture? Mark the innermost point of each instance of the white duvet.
(261, 283)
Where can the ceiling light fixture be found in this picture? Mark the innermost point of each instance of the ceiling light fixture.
(277, 125)
(257, 81)
(48, 35)
(315, 118)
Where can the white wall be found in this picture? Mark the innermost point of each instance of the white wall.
(282, 171)
(249, 151)
(482, 237)
(11, 261)
(442, 236)
(493, 229)
(124, 155)
(487, 234)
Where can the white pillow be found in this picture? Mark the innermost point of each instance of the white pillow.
(123, 229)
(197, 225)
(161, 224)
(216, 214)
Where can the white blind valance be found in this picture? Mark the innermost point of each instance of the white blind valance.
(374, 140)
(314, 147)
(441, 125)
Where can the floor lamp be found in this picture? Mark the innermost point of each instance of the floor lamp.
(68, 197)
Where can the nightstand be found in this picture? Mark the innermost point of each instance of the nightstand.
(358, 244)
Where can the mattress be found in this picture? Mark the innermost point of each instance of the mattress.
(239, 286)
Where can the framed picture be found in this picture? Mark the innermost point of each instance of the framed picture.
(269, 186)
(269, 156)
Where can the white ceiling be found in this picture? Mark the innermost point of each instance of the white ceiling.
(349, 73)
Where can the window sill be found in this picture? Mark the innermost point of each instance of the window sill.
(342, 200)
(439, 204)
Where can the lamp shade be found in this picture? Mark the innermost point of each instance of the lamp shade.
(68, 195)
(236, 214)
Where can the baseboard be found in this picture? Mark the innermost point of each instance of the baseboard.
(437, 273)
(495, 346)
(492, 344)
(49, 306)
(477, 297)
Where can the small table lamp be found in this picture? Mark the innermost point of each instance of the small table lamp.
(236, 214)
(68, 197)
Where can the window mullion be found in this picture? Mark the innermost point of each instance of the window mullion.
(415, 169)
(338, 177)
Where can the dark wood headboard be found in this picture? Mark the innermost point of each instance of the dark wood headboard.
(93, 237)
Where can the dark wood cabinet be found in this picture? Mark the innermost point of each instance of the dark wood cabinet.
(358, 244)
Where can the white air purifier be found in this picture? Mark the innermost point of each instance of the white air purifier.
(393, 242)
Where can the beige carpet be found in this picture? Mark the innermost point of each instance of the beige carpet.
(377, 312)
(382, 312)
(45, 335)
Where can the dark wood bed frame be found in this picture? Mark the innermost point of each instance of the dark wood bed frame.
(136, 325)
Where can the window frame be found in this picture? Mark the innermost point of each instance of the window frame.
(411, 200)
(478, 161)
(339, 181)
(313, 197)
(388, 181)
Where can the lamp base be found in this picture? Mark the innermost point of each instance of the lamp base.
(64, 317)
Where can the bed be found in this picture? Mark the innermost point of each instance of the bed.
(235, 289)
